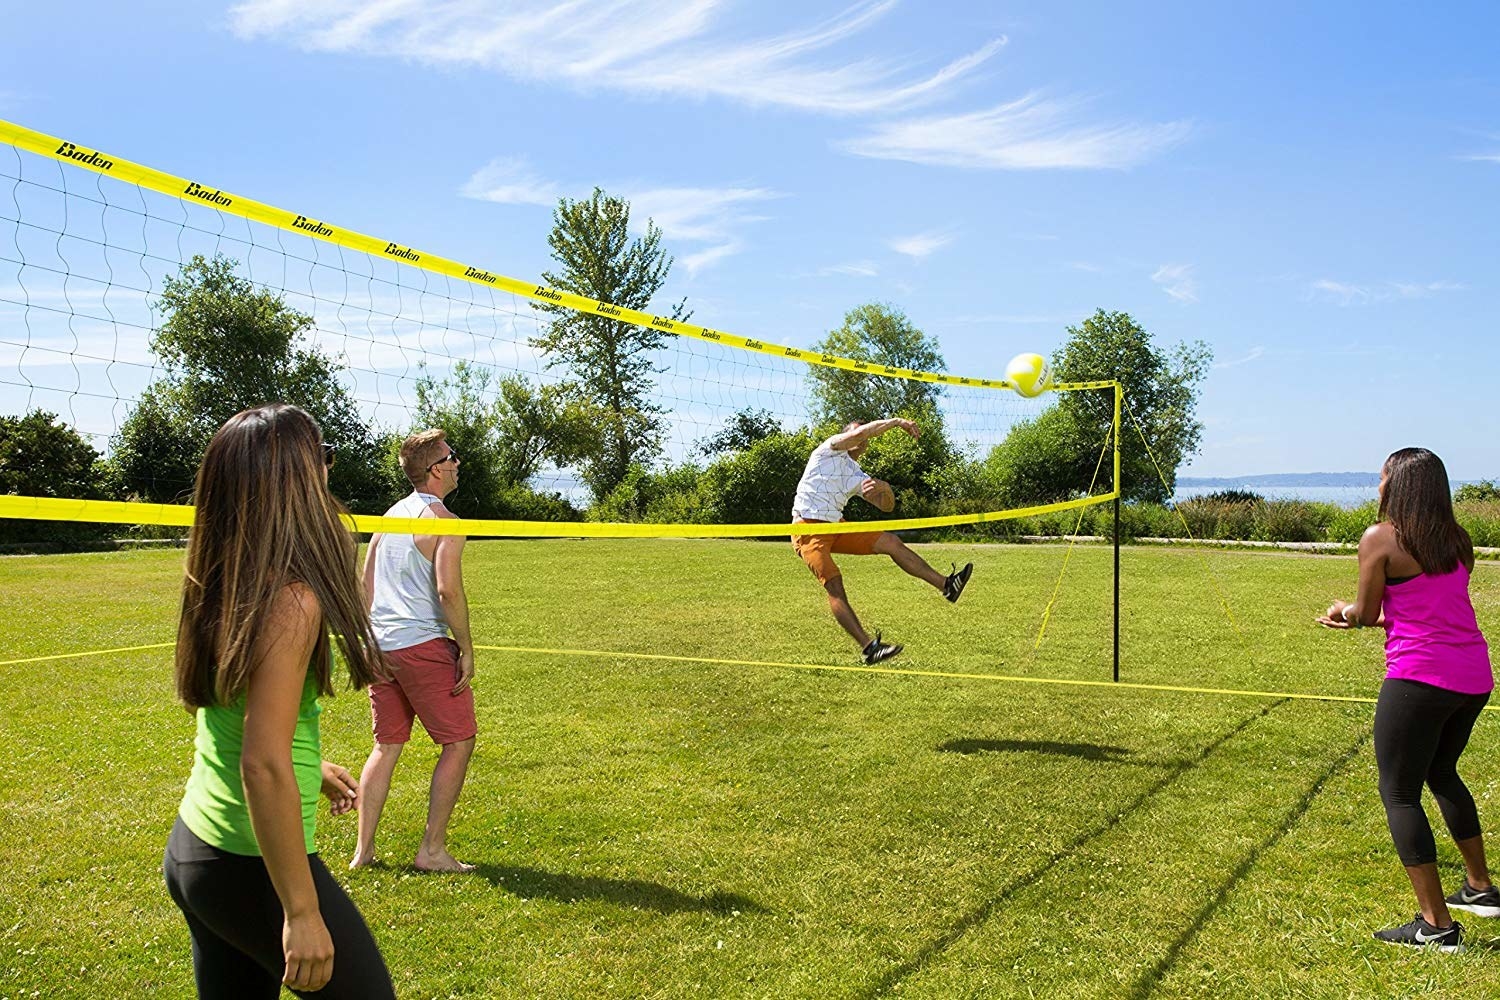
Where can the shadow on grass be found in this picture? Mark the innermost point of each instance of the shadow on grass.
(894, 978)
(1084, 751)
(1148, 983)
(534, 883)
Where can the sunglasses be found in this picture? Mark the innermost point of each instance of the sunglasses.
(329, 451)
(452, 456)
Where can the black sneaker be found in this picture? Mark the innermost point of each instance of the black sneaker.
(956, 582)
(1484, 904)
(877, 651)
(1420, 934)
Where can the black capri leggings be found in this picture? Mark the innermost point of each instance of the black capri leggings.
(235, 919)
(1420, 730)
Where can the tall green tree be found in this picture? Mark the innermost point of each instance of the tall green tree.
(1054, 456)
(882, 336)
(610, 362)
(227, 345)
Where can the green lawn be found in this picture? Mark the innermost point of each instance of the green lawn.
(666, 828)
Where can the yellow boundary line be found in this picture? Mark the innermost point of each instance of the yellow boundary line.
(888, 671)
(108, 512)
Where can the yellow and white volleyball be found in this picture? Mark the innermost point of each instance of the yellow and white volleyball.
(1030, 374)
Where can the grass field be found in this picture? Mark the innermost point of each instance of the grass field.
(667, 828)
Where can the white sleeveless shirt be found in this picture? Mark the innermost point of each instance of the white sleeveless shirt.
(406, 610)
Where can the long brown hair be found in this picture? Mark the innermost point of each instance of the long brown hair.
(1418, 503)
(264, 518)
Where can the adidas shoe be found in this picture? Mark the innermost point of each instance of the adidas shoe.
(957, 580)
(1420, 934)
(878, 651)
(1484, 904)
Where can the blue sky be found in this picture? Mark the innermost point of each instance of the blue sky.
(1312, 189)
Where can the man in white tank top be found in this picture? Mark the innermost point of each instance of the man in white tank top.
(416, 591)
(831, 479)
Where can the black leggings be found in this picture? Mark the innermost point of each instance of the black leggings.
(1420, 730)
(235, 919)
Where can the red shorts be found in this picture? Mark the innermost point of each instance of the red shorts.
(422, 688)
(817, 550)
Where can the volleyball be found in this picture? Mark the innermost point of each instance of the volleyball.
(1030, 374)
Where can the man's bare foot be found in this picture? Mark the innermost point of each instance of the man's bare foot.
(363, 861)
(442, 861)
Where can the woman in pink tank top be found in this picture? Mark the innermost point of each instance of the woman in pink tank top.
(1414, 571)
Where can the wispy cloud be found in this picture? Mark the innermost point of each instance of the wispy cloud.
(684, 214)
(1085, 266)
(854, 269)
(1255, 353)
(921, 244)
(646, 47)
(1030, 133)
(1483, 157)
(510, 181)
(1347, 294)
(1177, 281)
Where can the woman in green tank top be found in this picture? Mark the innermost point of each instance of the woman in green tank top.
(270, 572)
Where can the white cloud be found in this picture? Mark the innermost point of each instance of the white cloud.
(920, 245)
(1029, 133)
(696, 262)
(1085, 266)
(1347, 294)
(853, 269)
(1255, 353)
(1483, 157)
(510, 181)
(1177, 281)
(646, 47)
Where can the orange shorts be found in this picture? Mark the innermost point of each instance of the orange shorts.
(817, 550)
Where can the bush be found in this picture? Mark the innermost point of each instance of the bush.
(1481, 519)
(1483, 491)
(40, 456)
(1292, 521)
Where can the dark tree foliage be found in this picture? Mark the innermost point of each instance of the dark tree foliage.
(1055, 455)
(227, 345)
(740, 432)
(41, 456)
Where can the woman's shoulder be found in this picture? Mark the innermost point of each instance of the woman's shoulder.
(296, 605)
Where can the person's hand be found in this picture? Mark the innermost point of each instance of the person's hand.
(309, 952)
(1334, 616)
(910, 427)
(341, 788)
(878, 493)
(465, 672)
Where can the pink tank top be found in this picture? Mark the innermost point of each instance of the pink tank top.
(1432, 635)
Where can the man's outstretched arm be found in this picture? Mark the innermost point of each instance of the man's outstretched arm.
(870, 431)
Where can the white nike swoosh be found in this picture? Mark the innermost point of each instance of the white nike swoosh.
(1429, 938)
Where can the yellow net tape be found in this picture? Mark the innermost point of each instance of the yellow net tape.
(114, 512)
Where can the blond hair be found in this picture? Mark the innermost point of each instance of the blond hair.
(420, 452)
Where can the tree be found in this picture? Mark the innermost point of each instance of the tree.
(504, 435)
(40, 456)
(1054, 455)
(882, 336)
(228, 345)
(609, 360)
(742, 430)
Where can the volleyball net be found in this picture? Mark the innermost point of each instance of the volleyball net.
(136, 307)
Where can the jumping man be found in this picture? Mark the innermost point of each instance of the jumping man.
(833, 476)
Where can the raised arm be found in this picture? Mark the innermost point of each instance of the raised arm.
(868, 432)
